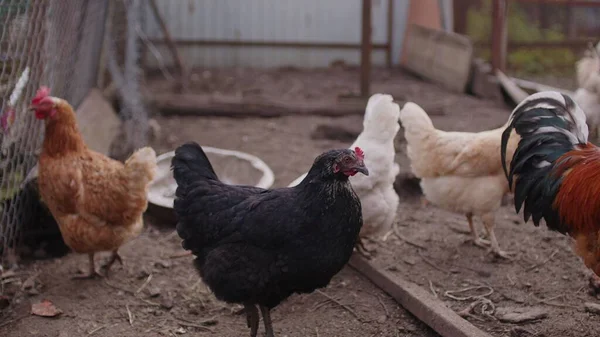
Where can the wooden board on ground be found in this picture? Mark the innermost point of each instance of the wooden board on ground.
(237, 106)
(418, 301)
(98, 122)
(439, 56)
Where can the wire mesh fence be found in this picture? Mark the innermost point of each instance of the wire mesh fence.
(42, 42)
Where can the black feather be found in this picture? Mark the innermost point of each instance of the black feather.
(533, 163)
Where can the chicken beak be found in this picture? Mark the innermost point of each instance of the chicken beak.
(32, 107)
(362, 169)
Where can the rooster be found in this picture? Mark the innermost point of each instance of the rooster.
(555, 170)
(98, 202)
(459, 171)
(376, 192)
(257, 247)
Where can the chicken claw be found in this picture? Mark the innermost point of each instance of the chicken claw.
(114, 257)
(479, 242)
(594, 284)
(93, 274)
(363, 250)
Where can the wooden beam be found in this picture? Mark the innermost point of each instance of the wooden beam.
(390, 33)
(266, 43)
(183, 71)
(499, 34)
(419, 302)
(366, 48)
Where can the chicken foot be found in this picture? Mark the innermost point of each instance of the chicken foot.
(363, 250)
(92, 273)
(114, 257)
(476, 239)
(252, 318)
(266, 314)
(488, 223)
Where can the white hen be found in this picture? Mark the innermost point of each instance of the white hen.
(459, 171)
(587, 96)
(376, 191)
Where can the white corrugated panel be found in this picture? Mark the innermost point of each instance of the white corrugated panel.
(337, 21)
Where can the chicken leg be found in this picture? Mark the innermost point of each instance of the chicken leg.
(363, 250)
(476, 239)
(488, 223)
(92, 273)
(114, 257)
(252, 318)
(266, 314)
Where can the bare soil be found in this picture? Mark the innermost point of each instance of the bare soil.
(155, 294)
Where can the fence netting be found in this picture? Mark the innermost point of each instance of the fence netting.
(56, 43)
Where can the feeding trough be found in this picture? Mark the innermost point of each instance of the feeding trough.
(232, 167)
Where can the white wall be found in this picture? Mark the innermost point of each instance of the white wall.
(273, 20)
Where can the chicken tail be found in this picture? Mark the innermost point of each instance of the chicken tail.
(141, 166)
(191, 164)
(416, 123)
(553, 131)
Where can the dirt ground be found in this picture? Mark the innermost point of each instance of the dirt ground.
(157, 295)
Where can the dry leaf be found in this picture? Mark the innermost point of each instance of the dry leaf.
(45, 309)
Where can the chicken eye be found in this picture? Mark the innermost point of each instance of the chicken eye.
(347, 160)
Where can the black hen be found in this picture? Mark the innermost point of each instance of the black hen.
(257, 247)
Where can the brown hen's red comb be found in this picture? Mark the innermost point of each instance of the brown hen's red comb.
(42, 93)
(359, 152)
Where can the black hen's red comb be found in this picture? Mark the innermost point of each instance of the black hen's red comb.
(42, 93)
(359, 153)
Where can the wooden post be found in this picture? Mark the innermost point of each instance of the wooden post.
(366, 47)
(499, 34)
(184, 75)
(390, 33)
(460, 10)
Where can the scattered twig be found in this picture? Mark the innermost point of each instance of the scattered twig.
(194, 325)
(317, 332)
(91, 332)
(432, 289)
(13, 320)
(487, 306)
(426, 260)
(181, 254)
(387, 235)
(543, 262)
(512, 282)
(129, 314)
(145, 284)
(401, 237)
(345, 307)
(553, 304)
(387, 313)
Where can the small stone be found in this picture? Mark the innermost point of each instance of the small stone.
(4, 302)
(382, 319)
(163, 263)
(593, 308)
(166, 303)
(153, 291)
(520, 315)
(180, 331)
(142, 274)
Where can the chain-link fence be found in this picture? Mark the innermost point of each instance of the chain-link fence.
(56, 43)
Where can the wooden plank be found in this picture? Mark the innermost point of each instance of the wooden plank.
(233, 106)
(366, 49)
(442, 57)
(418, 301)
(512, 89)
